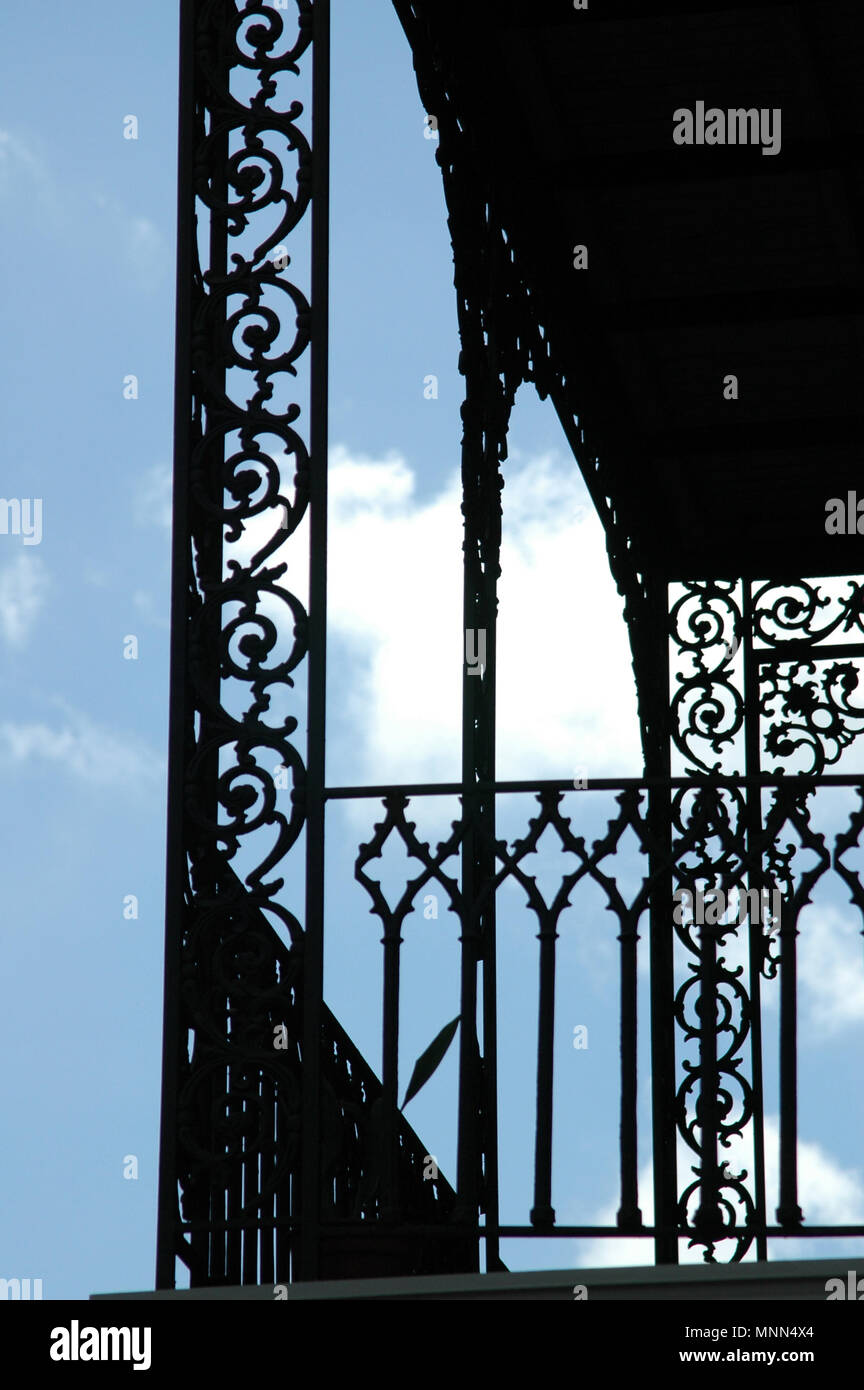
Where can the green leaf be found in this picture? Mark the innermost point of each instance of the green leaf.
(429, 1060)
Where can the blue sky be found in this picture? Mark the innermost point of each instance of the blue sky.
(87, 289)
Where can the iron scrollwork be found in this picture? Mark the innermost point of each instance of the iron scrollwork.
(708, 706)
(807, 697)
(240, 641)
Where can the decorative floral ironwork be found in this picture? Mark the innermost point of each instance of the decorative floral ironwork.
(807, 698)
(790, 611)
(708, 708)
(810, 711)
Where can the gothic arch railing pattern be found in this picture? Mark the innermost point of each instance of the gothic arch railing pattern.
(718, 1210)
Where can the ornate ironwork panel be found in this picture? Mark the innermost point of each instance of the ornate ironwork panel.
(755, 691)
(272, 1121)
(282, 1154)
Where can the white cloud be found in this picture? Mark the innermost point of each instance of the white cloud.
(24, 584)
(829, 957)
(86, 750)
(828, 1195)
(565, 687)
(356, 484)
(566, 696)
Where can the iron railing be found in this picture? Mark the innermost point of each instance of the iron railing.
(282, 1155)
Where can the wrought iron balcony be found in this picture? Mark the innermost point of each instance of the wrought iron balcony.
(239, 1100)
(294, 1161)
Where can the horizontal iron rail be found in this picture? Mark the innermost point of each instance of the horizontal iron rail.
(805, 652)
(772, 1232)
(351, 1228)
(243, 1223)
(834, 779)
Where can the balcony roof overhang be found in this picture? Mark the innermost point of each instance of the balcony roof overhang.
(703, 261)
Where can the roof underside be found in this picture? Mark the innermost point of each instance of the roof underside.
(703, 261)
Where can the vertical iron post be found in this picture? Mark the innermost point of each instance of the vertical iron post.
(658, 763)
(313, 943)
(180, 710)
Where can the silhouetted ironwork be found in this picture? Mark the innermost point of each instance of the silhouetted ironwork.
(293, 1161)
(255, 1146)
